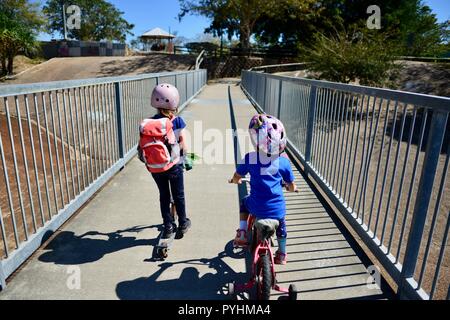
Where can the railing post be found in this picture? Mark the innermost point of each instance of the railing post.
(120, 119)
(265, 94)
(176, 81)
(423, 197)
(2, 277)
(280, 90)
(310, 124)
(186, 85)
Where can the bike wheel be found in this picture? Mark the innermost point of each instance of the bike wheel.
(293, 292)
(264, 278)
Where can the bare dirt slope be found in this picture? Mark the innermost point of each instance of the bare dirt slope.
(96, 67)
(422, 77)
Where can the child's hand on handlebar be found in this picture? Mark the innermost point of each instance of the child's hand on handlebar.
(237, 179)
(291, 187)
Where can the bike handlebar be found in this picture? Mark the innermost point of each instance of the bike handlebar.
(247, 180)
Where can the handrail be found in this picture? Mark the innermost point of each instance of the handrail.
(437, 102)
(199, 60)
(273, 66)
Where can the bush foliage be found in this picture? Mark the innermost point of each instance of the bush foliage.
(352, 56)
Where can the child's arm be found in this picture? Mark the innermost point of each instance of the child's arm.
(288, 175)
(182, 142)
(241, 171)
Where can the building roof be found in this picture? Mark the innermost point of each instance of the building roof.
(157, 33)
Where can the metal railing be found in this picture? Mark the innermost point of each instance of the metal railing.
(62, 141)
(273, 68)
(199, 60)
(381, 157)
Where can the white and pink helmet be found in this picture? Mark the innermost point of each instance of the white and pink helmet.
(165, 96)
(267, 134)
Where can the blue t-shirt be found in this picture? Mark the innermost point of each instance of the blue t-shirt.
(266, 200)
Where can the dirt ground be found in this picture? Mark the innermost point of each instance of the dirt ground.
(428, 78)
(95, 67)
(22, 63)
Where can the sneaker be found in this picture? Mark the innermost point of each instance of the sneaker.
(185, 227)
(280, 258)
(168, 233)
(241, 238)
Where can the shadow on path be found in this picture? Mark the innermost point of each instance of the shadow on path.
(190, 285)
(67, 248)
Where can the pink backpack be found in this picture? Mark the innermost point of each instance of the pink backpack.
(159, 147)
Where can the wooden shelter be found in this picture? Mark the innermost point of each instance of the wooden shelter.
(157, 39)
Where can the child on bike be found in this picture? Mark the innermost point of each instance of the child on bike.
(169, 176)
(268, 168)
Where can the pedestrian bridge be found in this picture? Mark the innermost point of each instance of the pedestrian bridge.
(80, 215)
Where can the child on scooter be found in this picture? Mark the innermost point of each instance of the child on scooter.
(165, 98)
(268, 168)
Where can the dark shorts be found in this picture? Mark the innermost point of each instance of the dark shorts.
(281, 230)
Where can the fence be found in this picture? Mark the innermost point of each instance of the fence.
(74, 48)
(381, 156)
(214, 50)
(60, 142)
(285, 67)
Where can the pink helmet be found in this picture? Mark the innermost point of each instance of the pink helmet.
(267, 134)
(165, 96)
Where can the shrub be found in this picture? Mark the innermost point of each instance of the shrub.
(358, 55)
(197, 47)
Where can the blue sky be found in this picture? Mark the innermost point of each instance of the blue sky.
(148, 14)
(441, 8)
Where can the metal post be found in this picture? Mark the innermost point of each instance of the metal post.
(120, 120)
(2, 278)
(433, 149)
(310, 125)
(265, 94)
(65, 21)
(280, 90)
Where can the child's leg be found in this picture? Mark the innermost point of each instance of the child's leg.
(162, 181)
(243, 218)
(241, 238)
(243, 215)
(177, 186)
(281, 254)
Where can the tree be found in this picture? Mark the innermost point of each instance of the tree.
(293, 22)
(424, 34)
(20, 22)
(357, 54)
(235, 16)
(100, 20)
(409, 22)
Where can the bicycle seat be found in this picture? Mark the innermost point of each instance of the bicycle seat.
(266, 227)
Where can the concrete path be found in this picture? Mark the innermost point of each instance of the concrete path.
(105, 251)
